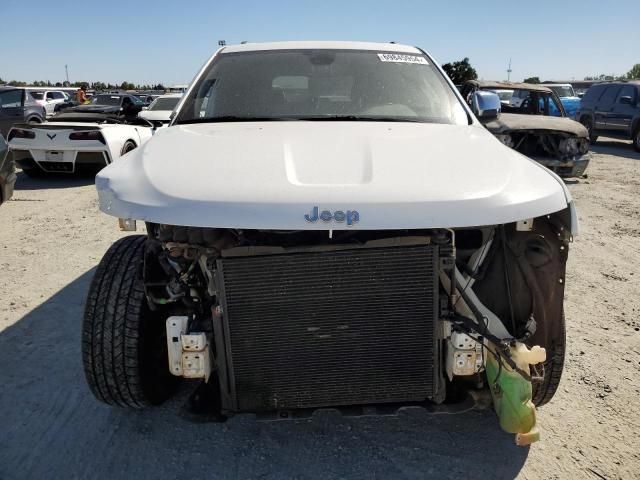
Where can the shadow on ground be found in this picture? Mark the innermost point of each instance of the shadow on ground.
(52, 181)
(619, 148)
(53, 428)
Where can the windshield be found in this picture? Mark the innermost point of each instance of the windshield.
(563, 90)
(322, 85)
(106, 100)
(168, 103)
(505, 95)
(533, 102)
(37, 95)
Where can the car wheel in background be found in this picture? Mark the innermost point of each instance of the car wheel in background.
(128, 146)
(34, 121)
(636, 139)
(588, 124)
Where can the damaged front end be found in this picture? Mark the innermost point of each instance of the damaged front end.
(278, 321)
(561, 152)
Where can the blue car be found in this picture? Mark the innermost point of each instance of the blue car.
(570, 101)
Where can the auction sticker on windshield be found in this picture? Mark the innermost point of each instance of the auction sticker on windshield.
(400, 58)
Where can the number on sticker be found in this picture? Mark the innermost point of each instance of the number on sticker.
(401, 58)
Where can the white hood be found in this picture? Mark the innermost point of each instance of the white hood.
(270, 175)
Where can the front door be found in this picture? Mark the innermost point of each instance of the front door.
(619, 119)
(604, 106)
(11, 109)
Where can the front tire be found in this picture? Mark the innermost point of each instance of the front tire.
(124, 346)
(544, 391)
(636, 139)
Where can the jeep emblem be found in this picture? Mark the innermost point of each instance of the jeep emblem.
(350, 216)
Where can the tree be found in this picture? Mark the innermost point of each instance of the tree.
(532, 80)
(634, 73)
(460, 72)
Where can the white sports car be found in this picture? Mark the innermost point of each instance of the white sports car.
(70, 142)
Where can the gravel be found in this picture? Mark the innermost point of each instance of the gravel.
(52, 237)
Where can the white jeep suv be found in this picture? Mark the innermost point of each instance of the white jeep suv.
(328, 224)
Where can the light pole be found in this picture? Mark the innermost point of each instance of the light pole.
(66, 71)
(509, 72)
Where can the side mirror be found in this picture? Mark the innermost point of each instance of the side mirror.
(626, 100)
(486, 104)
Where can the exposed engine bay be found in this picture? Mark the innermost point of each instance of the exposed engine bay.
(283, 320)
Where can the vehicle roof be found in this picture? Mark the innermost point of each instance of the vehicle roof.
(510, 85)
(171, 95)
(385, 47)
(618, 82)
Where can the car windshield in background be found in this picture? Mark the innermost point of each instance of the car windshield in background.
(505, 95)
(534, 103)
(106, 100)
(164, 103)
(563, 91)
(322, 85)
(37, 95)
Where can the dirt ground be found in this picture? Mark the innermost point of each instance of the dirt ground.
(51, 238)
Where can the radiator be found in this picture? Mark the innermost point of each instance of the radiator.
(328, 328)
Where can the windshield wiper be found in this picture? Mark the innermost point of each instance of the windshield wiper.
(356, 118)
(233, 118)
(310, 118)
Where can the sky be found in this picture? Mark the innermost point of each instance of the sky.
(163, 41)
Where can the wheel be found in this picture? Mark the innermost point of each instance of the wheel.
(552, 368)
(636, 139)
(124, 347)
(128, 146)
(34, 121)
(588, 124)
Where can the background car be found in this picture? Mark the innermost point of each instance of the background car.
(7, 172)
(570, 101)
(49, 99)
(18, 106)
(161, 108)
(122, 104)
(612, 109)
(504, 95)
(74, 141)
(538, 127)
